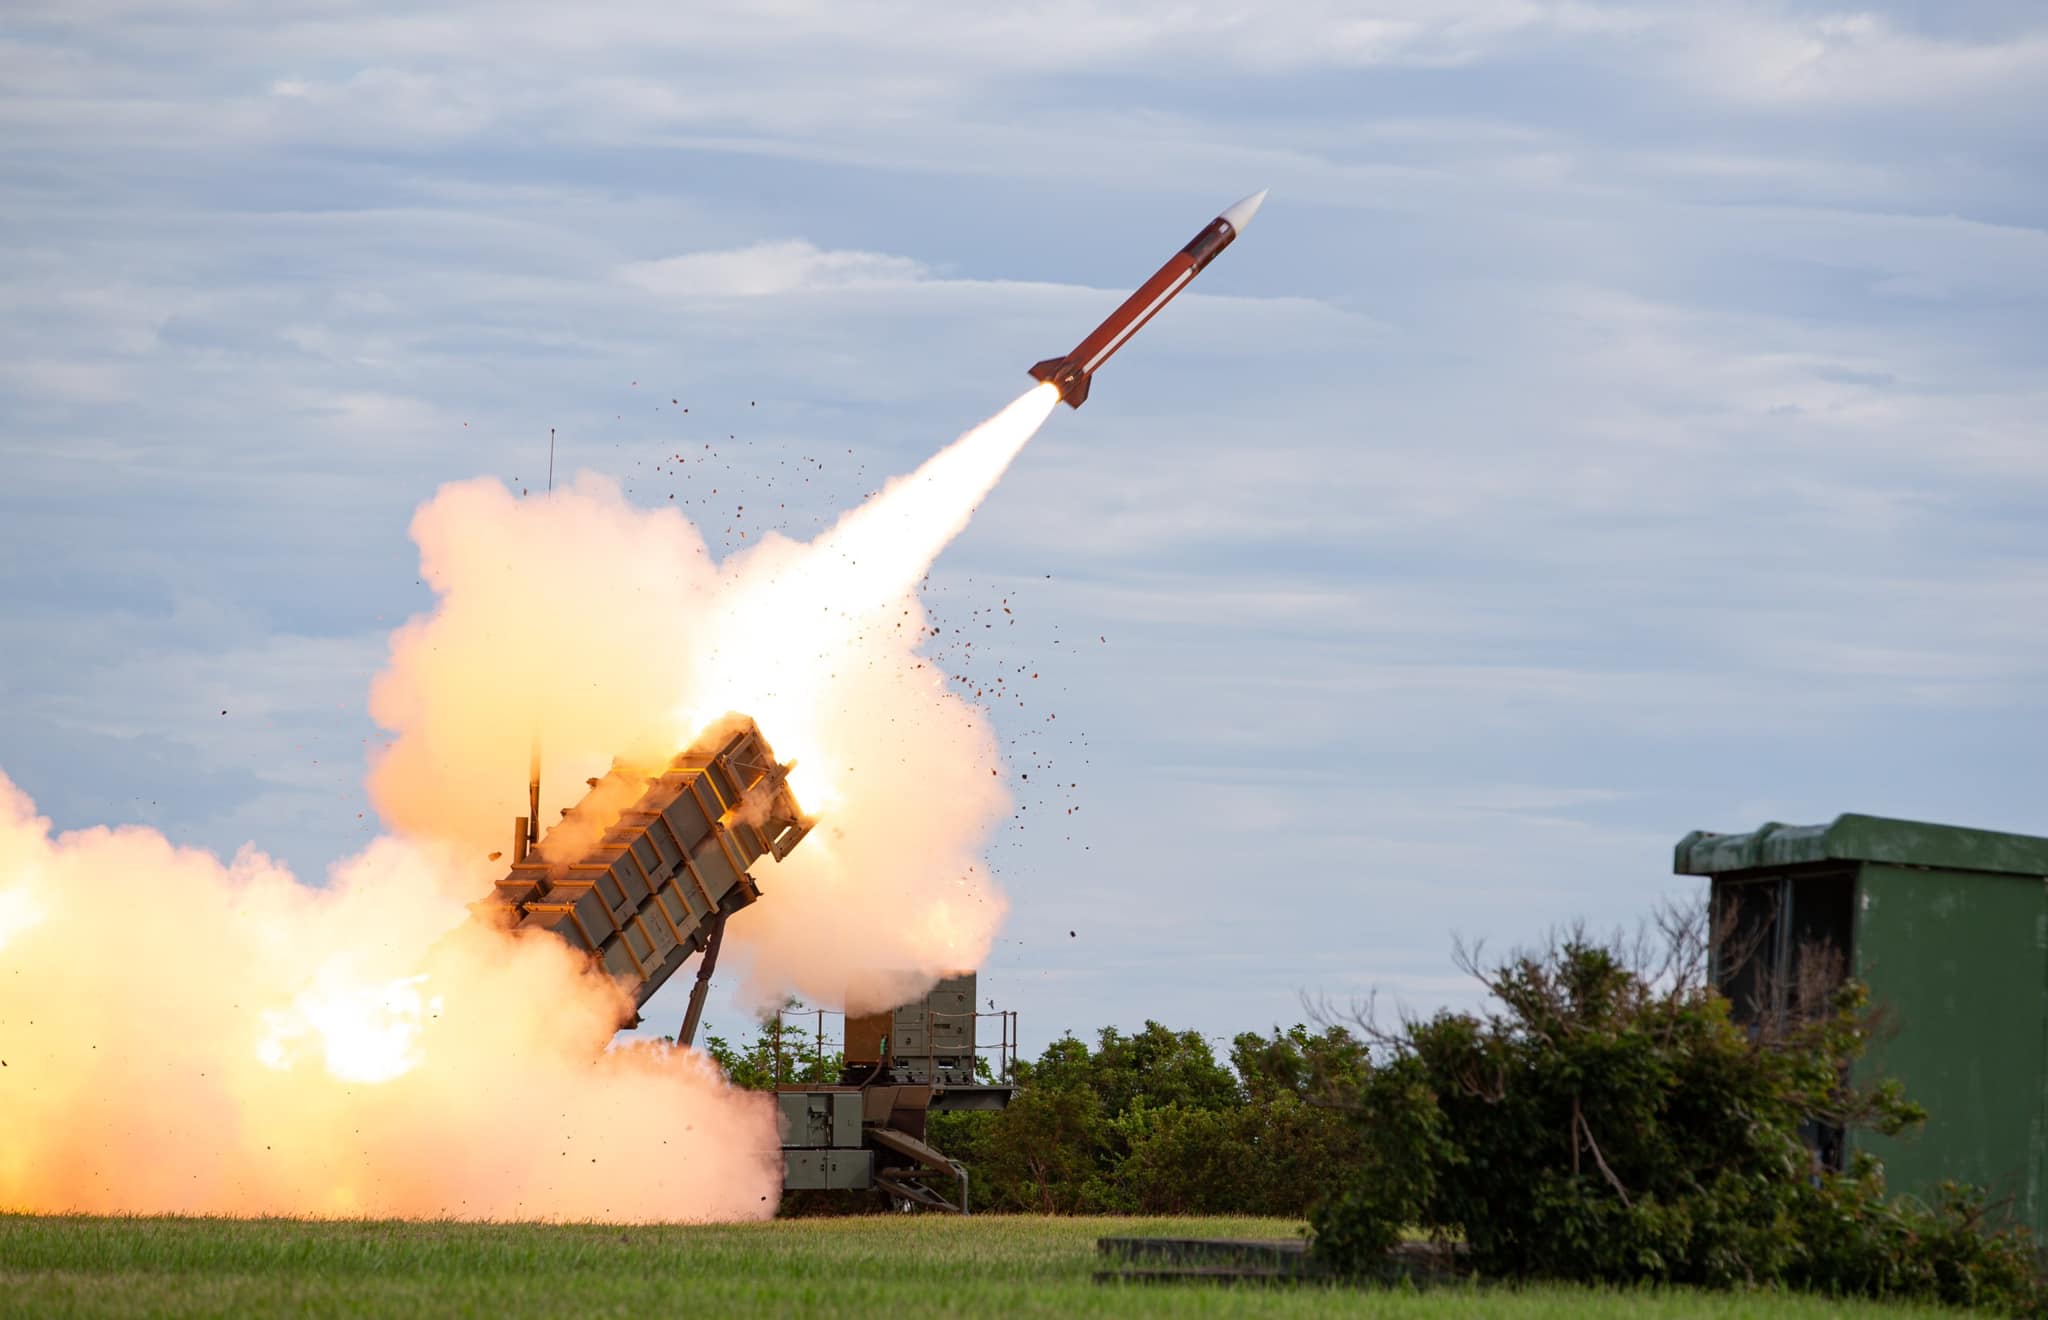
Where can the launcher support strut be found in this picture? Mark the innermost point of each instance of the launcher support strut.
(688, 1035)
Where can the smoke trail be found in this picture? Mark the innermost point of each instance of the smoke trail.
(882, 549)
(852, 588)
(898, 765)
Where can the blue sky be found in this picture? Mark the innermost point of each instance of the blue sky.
(1622, 419)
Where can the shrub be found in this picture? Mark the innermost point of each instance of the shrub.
(1608, 1123)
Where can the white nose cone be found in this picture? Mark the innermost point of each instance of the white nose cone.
(1241, 214)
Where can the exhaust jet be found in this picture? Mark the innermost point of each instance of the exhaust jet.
(1072, 373)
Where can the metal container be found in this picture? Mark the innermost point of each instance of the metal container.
(823, 1170)
(1949, 929)
(940, 1022)
(820, 1118)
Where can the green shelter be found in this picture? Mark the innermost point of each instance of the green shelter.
(1949, 929)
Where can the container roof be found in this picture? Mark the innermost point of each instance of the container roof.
(1854, 838)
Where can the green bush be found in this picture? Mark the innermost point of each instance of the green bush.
(1271, 1157)
(1152, 1123)
(1605, 1124)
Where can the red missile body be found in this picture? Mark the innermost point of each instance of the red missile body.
(1073, 372)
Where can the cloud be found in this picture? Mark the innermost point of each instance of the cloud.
(1643, 395)
(855, 79)
(766, 270)
(66, 381)
(1846, 59)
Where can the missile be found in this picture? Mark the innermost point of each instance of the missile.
(1073, 372)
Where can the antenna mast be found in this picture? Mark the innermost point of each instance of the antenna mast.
(533, 759)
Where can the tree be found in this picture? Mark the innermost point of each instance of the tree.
(1059, 1145)
(1046, 1153)
(780, 1053)
(1323, 1068)
(1155, 1067)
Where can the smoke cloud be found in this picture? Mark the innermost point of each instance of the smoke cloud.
(179, 1034)
(185, 1036)
(611, 632)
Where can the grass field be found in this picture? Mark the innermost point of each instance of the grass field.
(905, 1265)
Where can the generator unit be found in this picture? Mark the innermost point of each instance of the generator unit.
(901, 1065)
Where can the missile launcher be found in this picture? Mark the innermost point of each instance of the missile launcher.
(642, 872)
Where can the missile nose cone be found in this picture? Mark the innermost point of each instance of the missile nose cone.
(1241, 214)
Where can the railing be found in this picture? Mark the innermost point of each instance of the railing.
(1004, 1050)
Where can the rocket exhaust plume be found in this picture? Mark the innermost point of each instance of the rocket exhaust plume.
(648, 640)
(179, 1034)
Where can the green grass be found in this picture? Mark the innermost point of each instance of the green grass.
(895, 1265)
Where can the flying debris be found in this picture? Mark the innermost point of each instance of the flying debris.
(1073, 372)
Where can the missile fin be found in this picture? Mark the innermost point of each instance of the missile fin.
(1062, 372)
